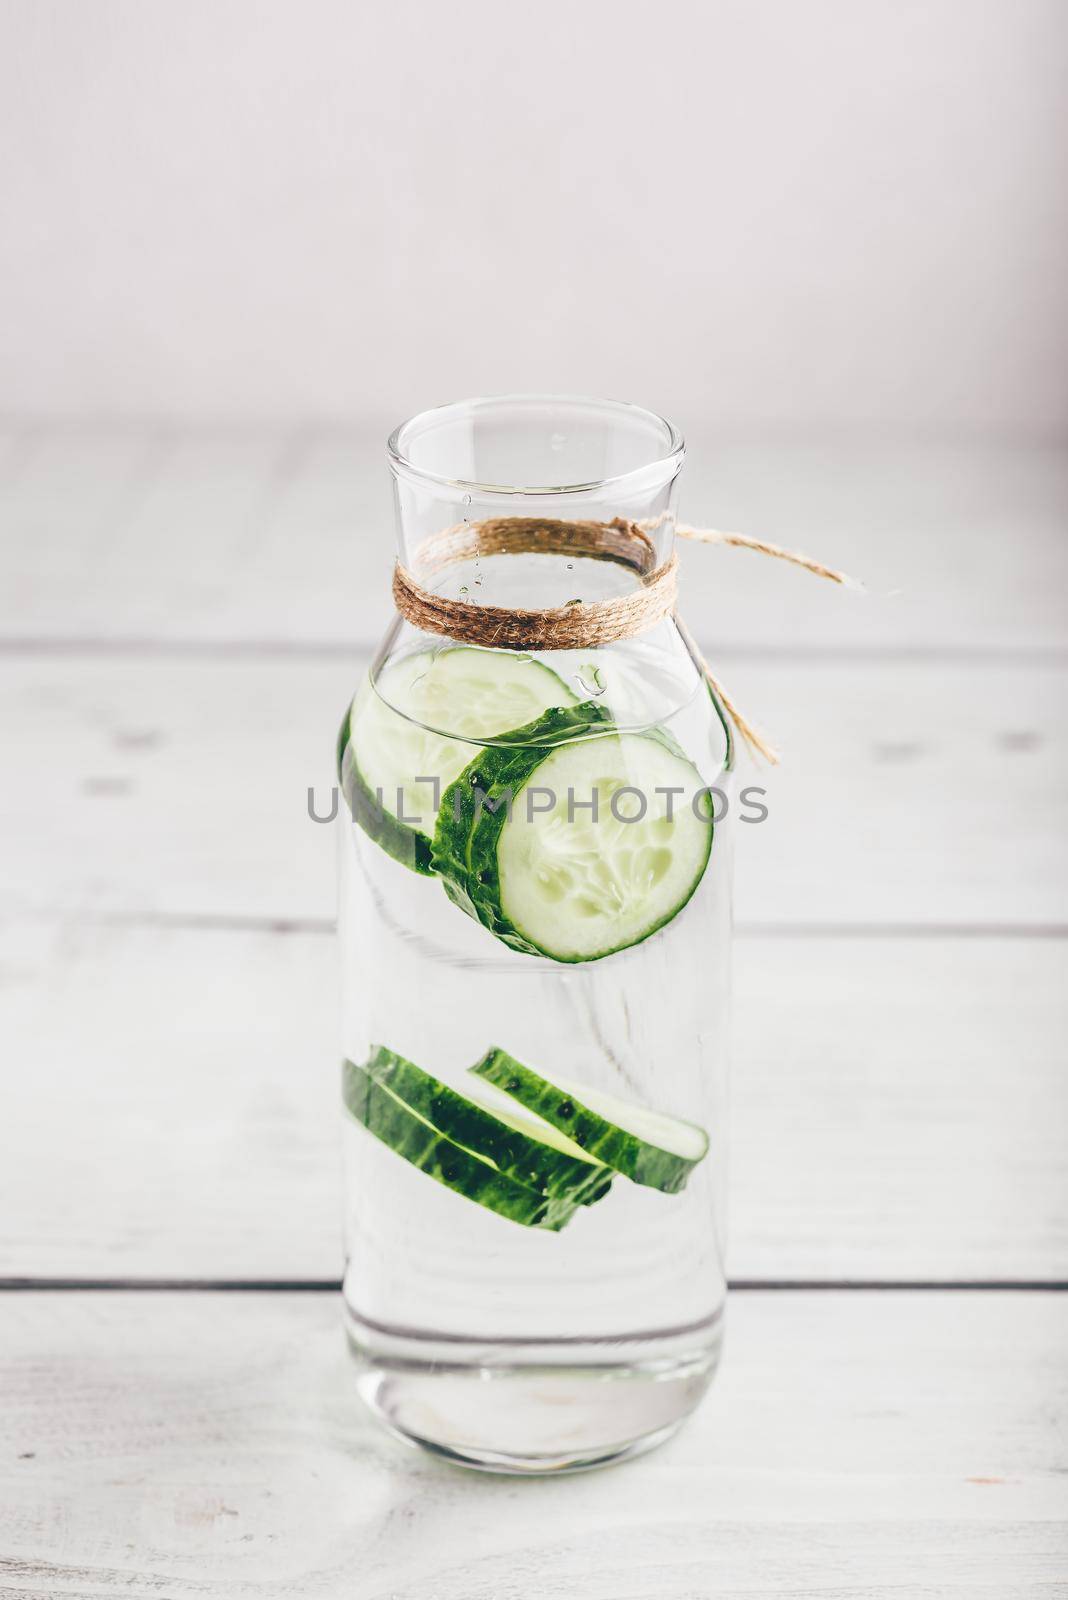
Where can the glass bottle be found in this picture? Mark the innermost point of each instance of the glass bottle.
(535, 996)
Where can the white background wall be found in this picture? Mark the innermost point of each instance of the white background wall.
(800, 214)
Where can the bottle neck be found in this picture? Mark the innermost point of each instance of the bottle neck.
(528, 581)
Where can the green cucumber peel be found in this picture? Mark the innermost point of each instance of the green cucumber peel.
(398, 1127)
(540, 1163)
(592, 1127)
(730, 755)
(393, 735)
(406, 845)
(475, 811)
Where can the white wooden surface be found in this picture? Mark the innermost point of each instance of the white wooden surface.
(911, 794)
(873, 1445)
(244, 538)
(181, 618)
(914, 1127)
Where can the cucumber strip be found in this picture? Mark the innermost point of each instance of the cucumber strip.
(557, 880)
(519, 1144)
(646, 1146)
(726, 724)
(388, 739)
(467, 1174)
(410, 846)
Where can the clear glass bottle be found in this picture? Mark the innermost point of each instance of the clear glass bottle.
(535, 1253)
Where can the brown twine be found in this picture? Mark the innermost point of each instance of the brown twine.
(742, 541)
(627, 543)
(579, 624)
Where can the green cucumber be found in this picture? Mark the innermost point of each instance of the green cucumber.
(518, 1143)
(410, 846)
(559, 882)
(389, 738)
(730, 755)
(409, 1136)
(648, 1147)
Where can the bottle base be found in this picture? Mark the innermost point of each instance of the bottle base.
(533, 1409)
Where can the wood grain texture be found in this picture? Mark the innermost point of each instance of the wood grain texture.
(212, 1445)
(911, 794)
(901, 1110)
(182, 616)
(236, 535)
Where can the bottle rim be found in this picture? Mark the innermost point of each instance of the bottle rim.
(662, 464)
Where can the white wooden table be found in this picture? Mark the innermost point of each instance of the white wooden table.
(181, 619)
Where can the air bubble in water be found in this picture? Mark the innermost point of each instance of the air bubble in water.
(571, 566)
(467, 499)
(590, 679)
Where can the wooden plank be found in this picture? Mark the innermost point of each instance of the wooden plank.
(909, 794)
(209, 534)
(901, 1108)
(287, 535)
(63, 493)
(212, 1445)
(955, 543)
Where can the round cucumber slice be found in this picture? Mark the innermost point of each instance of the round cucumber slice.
(406, 844)
(388, 739)
(491, 1125)
(520, 846)
(409, 1136)
(648, 1147)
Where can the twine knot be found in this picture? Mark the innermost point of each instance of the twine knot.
(576, 625)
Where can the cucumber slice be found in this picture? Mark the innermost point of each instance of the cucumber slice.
(408, 845)
(491, 1125)
(467, 1174)
(561, 883)
(388, 740)
(646, 1146)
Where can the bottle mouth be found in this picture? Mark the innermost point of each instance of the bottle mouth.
(536, 445)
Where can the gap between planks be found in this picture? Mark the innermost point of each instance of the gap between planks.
(334, 1285)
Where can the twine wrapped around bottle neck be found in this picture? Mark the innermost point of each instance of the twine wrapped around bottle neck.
(580, 624)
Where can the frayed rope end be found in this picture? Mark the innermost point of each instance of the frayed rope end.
(742, 541)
